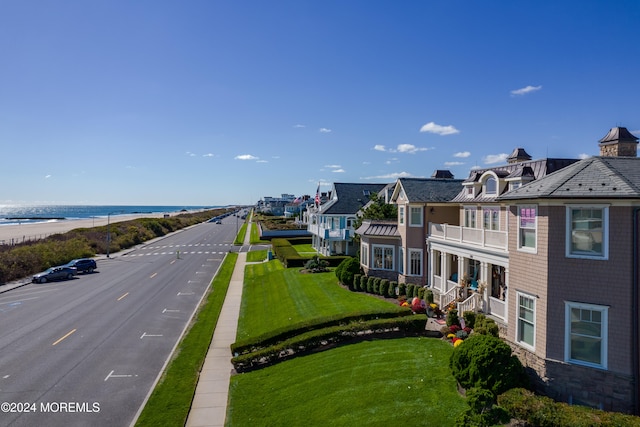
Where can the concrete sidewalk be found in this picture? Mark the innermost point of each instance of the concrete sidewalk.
(209, 406)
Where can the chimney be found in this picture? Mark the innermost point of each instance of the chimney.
(619, 142)
(518, 155)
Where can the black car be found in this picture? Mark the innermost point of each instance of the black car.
(85, 265)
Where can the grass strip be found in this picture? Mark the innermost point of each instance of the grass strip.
(257, 256)
(170, 402)
(240, 237)
(255, 235)
(396, 382)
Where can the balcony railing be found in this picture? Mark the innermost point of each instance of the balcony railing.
(470, 236)
(329, 234)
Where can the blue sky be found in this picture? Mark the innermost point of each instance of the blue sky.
(224, 102)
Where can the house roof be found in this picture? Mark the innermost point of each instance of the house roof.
(350, 198)
(535, 169)
(429, 190)
(618, 134)
(378, 228)
(595, 177)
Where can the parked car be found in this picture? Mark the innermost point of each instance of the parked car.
(84, 265)
(55, 273)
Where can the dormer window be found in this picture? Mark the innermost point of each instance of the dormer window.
(470, 191)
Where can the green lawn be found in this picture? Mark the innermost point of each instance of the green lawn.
(374, 383)
(275, 297)
(305, 249)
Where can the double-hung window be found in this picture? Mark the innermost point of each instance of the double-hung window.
(415, 216)
(383, 257)
(527, 227)
(491, 218)
(401, 215)
(526, 331)
(587, 232)
(586, 334)
(470, 217)
(364, 254)
(415, 262)
(401, 260)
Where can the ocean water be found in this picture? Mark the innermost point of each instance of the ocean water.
(23, 214)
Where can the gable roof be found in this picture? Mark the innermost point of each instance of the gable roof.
(350, 198)
(428, 190)
(595, 177)
(535, 169)
(376, 227)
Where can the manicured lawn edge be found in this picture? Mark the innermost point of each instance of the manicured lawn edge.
(240, 237)
(170, 401)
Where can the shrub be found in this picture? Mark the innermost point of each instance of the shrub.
(362, 287)
(469, 319)
(482, 410)
(346, 271)
(402, 289)
(452, 318)
(428, 296)
(392, 289)
(410, 290)
(486, 362)
(376, 285)
(384, 287)
(421, 292)
(370, 280)
(355, 283)
(485, 326)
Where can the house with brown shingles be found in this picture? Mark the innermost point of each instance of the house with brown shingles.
(572, 305)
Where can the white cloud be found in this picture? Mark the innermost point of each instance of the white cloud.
(47, 176)
(338, 170)
(246, 157)
(299, 126)
(453, 163)
(462, 154)
(495, 158)
(262, 161)
(333, 166)
(410, 148)
(324, 130)
(208, 155)
(525, 90)
(431, 127)
(584, 156)
(190, 154)
(393, 175)
(379, 147)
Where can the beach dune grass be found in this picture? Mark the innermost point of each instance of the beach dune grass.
(275, 298)
(402, 381)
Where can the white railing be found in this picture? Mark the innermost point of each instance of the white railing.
(437, 283)
(498, 308)
(473, 303)
(449, 296)
(472, 236)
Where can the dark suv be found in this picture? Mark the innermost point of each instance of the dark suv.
(85, 265)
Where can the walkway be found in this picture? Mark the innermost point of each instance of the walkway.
(209, 406)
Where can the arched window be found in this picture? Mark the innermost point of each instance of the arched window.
(490, 186)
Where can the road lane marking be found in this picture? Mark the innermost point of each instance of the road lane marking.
(144, 335)
(111, 375)
(166, 310)
(153, 275)
(122, 296)
(184, 293)
(172, 261)
(68, 333)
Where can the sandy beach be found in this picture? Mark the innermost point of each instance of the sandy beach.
(24, 232)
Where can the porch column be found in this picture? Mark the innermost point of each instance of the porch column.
(485, 277)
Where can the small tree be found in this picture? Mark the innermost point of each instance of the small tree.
(346, 270)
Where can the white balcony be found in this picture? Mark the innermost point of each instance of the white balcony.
(330, 234)
(475, 237)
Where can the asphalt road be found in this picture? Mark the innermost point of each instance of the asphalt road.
(88, 351)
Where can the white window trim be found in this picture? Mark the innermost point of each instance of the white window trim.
(605, 233)
(491, 209)
(474, 211)
(521, 248)
(535, 326)
(605, 333)
(393, 257)
(420, 224)
(421, 252)
(367, 259)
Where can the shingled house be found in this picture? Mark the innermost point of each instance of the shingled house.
(572, 239)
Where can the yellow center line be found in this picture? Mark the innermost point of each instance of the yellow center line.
(153, 275)
(123, 296)
(68, 333)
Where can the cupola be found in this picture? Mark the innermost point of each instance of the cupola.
(619, 142)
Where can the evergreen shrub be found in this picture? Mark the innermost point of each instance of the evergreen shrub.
(392, 289)
(384, 287)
